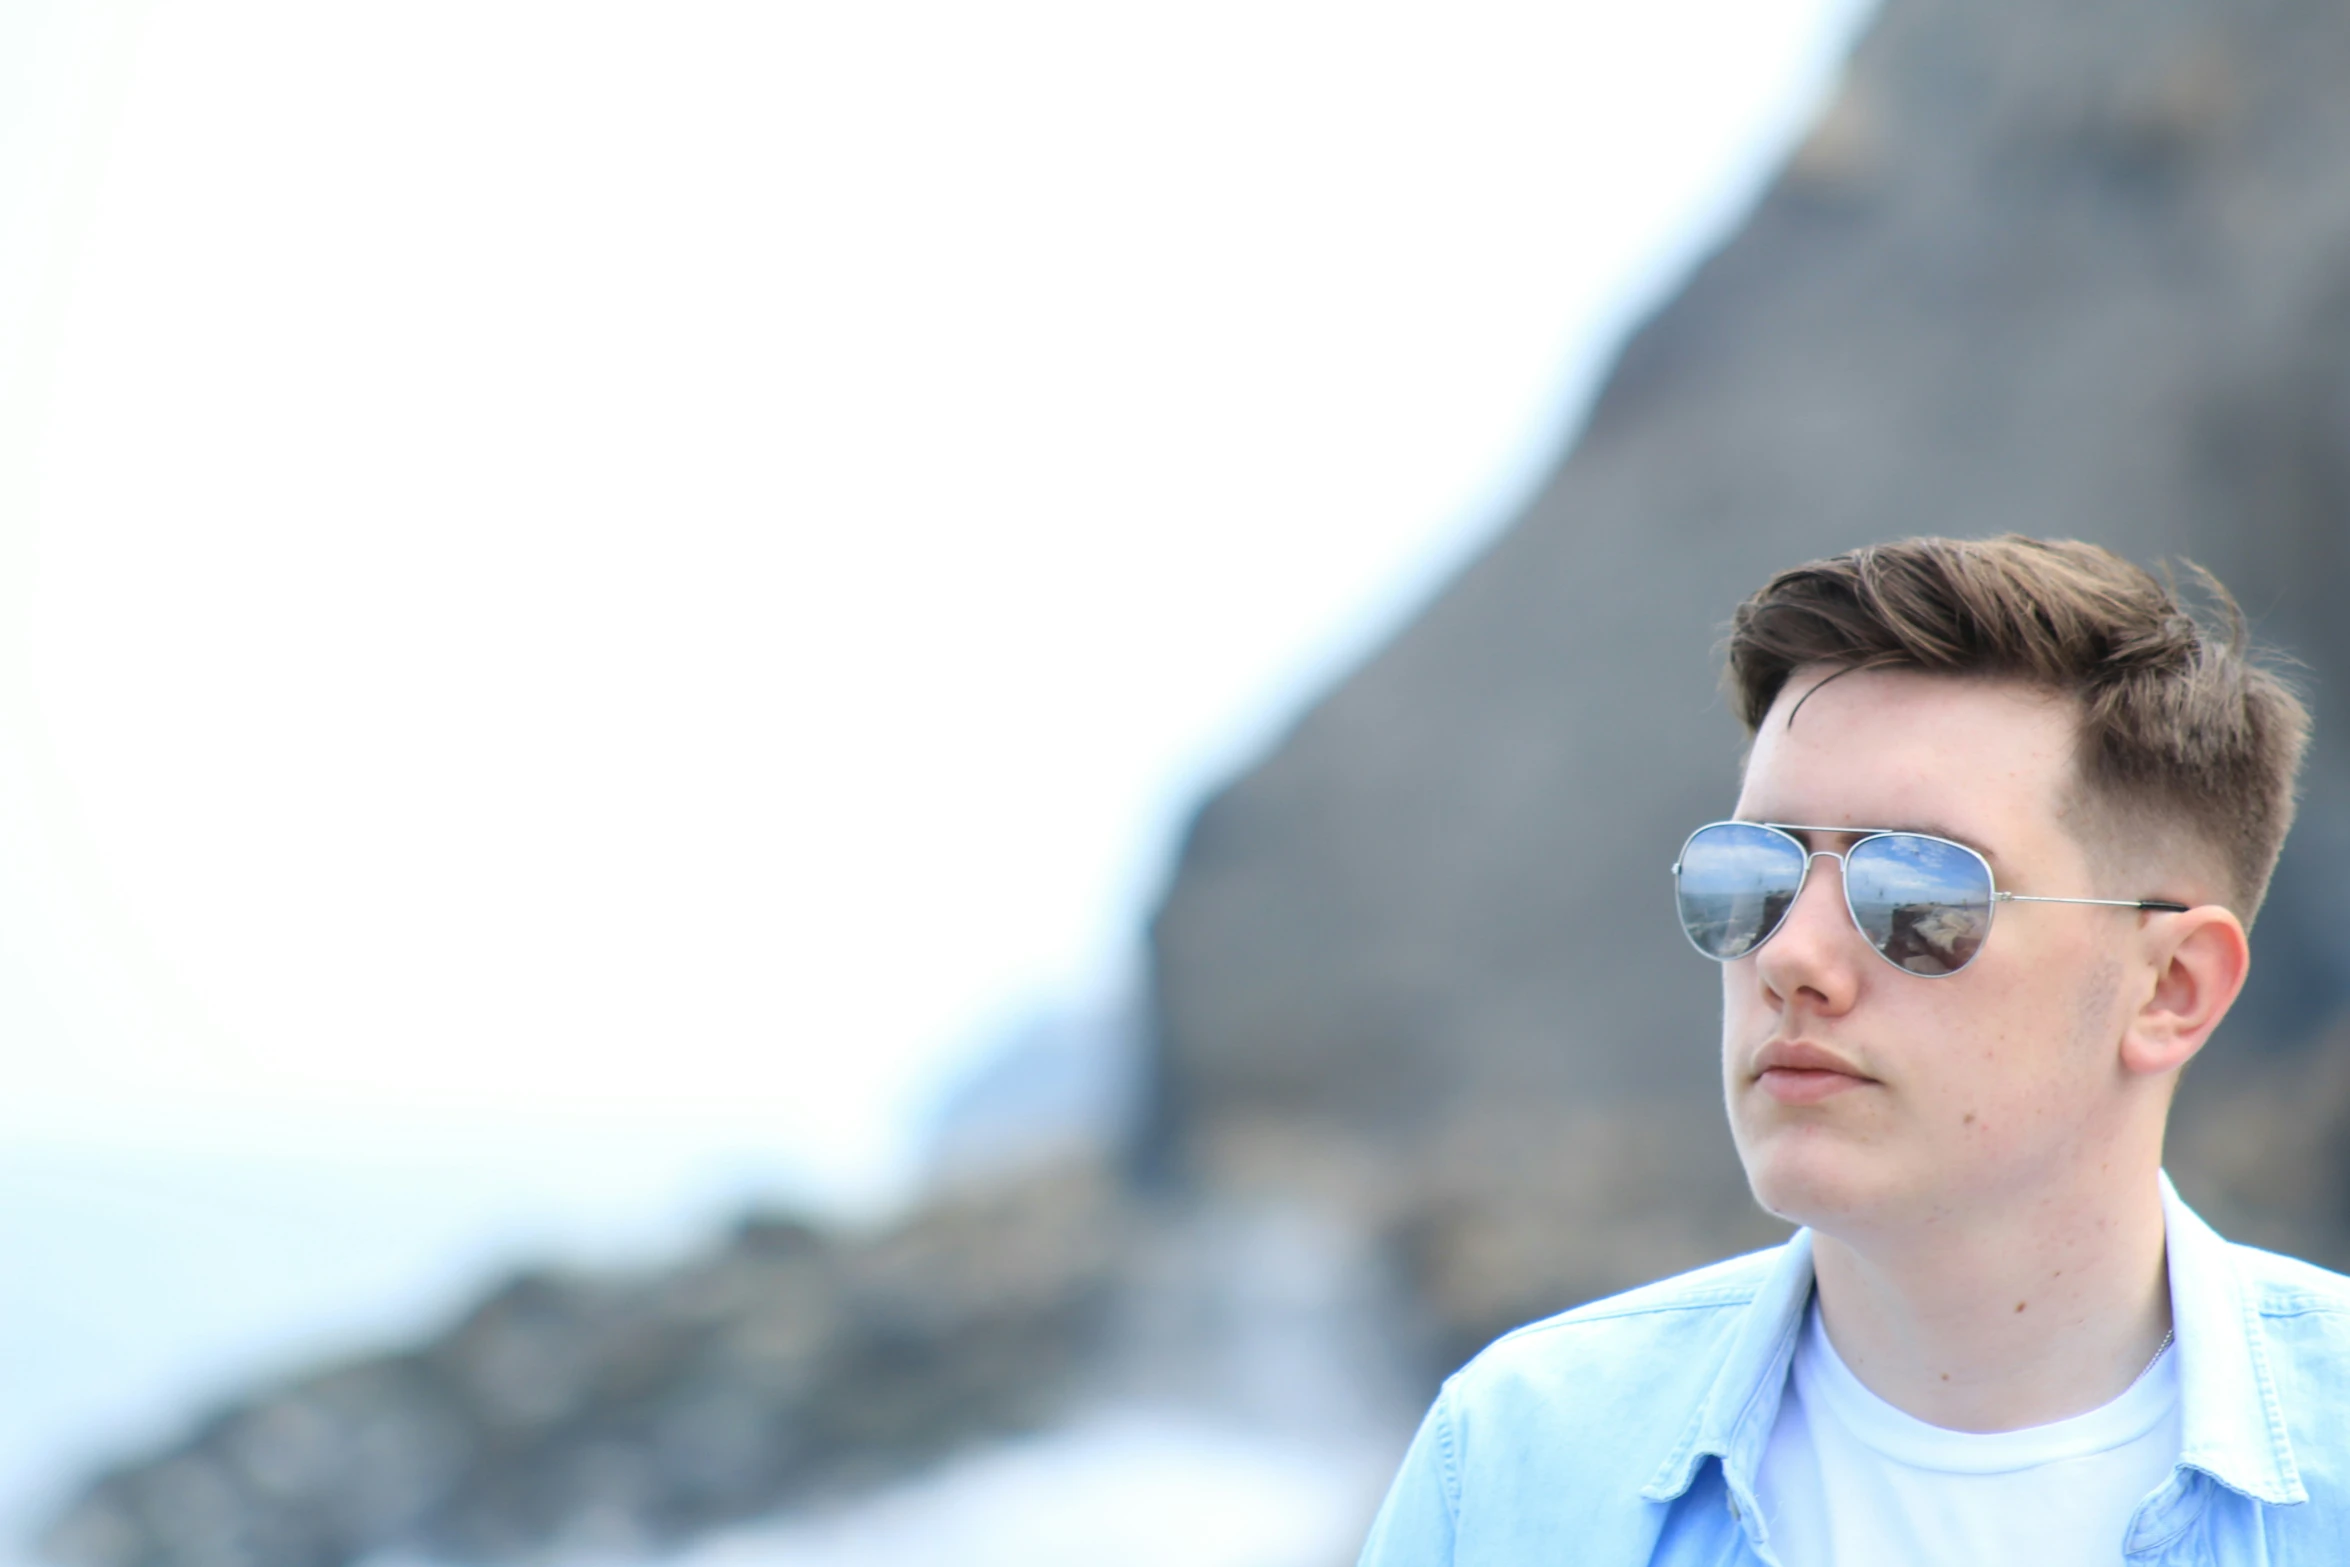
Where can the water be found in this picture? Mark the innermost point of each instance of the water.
(1138, 1487)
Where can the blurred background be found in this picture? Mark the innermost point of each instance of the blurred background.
(885, 784)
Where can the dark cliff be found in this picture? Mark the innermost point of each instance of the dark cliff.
(2076, 270)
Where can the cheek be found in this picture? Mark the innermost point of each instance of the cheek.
(2004, 1081)
(1744, 1017)
(2096, 1009)
(1742, 991)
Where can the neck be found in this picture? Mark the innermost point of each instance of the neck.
(1995, 1323)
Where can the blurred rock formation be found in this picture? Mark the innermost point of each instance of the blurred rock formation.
(2077, 270)
(603, 1417)
(1060, 1085)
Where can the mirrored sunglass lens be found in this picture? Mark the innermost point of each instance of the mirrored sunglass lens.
(1923, 903)
(1735, 885)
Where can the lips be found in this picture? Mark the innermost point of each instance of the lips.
(1797, 1073)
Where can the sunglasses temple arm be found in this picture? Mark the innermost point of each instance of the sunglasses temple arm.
(2155, 905)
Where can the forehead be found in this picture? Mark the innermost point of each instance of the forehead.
(1987, 761)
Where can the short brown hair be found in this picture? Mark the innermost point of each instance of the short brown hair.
(2180, 725)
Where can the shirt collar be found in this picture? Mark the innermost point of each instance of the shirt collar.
(2232, 1422)
(1734, 1420)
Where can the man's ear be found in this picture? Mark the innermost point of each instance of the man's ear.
(2200, 960)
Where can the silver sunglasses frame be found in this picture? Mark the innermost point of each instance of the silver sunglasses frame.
(1859, 836)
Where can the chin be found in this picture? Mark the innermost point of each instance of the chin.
(1805, 1178)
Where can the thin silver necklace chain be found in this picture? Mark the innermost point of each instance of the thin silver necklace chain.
(2168, 1334)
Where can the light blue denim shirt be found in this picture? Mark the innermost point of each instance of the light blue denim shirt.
(1628, 1431)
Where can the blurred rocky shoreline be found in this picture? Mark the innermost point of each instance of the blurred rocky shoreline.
(607, 1415)
(1424, 1056)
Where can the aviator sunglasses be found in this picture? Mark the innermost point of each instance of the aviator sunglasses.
(1923, 902)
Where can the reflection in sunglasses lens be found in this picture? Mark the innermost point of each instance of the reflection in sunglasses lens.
(1924, 903)
(1735, 885)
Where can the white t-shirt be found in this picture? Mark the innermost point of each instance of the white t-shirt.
(1850, 1481)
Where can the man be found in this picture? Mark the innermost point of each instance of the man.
(2007, 813)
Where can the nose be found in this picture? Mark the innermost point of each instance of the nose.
(1817, 950)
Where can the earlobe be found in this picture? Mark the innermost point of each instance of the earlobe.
(2201, 962)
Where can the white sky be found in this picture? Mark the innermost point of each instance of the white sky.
(659, 573)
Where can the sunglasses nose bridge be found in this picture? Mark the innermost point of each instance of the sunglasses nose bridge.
(1810, 855)
(1839, 897)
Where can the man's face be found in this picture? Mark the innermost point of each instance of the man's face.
(1942, 1097)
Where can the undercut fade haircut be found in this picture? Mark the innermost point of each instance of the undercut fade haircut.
(2183, 727)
